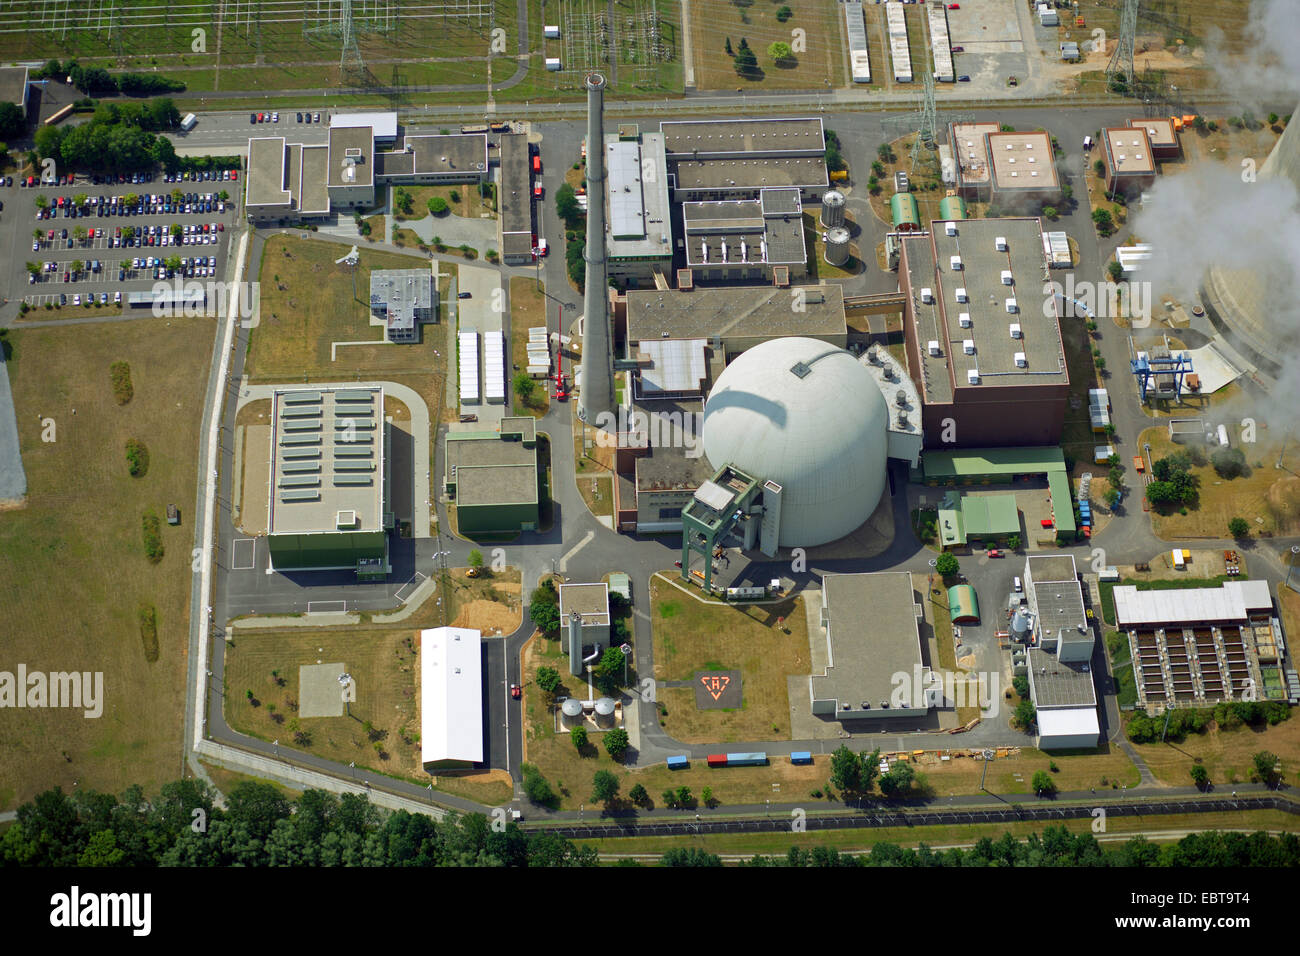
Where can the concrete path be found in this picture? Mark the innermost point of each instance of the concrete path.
(453, 230)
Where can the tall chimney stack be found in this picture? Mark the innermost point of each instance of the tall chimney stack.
(596, 395)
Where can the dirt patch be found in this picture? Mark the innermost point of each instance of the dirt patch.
(396, 410)
(488, 617)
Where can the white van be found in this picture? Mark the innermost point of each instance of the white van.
(1087, 143)
(1017, 585)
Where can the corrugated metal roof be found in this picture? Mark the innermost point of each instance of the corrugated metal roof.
(676, 365)
(451, 695)
(1231, 602)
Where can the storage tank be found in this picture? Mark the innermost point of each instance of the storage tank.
(1020, 626)
(952, 207)
(837, 246)
(605, 713)
(571, 712)
(833, 209)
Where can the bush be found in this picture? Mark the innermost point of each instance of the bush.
(148, 618)
(579, 735)
(536, 788)
(137, 458)
(947, 564)
(1239, 528)
(120, 375)
(785, 13)
(437, 205)
(151, 528)
(1228, 462)
(1043, 783)
(780, 51)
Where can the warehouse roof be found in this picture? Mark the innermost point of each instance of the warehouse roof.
(383, 122)
(450, 155)
(759, 312)
(1057, 685)
(1128, 151)
(970, 150)
(490, 470)
(515, 201)
(676, 366)
(313, 194)
(990, 514)
(13, 85)
(866, 650)
(721, 137)
(1022, 161)
(754, 174)
(1056, 595)
(1068, 722)
(266, 172)
(748, 235)
(1160, 132)
(1234, 601)
(972, 462)
(451, 695)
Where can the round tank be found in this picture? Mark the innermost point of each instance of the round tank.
(809, 417)
(604, 712)
(571, 712)
(837, 246)
(952, 207)
(832, 209)
(1020, 626)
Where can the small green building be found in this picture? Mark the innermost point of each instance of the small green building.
(905, 213)
(988, 518)
(952, 207)
(492, 478)
(963, 605)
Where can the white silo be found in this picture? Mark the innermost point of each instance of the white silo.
(837, 246)
(605, 713)
(571, 713)
(832, 209)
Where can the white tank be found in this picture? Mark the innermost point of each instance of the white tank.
(832, 209)
(605, 713)
(571, 712)
(837, 246)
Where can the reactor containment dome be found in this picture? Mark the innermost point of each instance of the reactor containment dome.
(809, 416)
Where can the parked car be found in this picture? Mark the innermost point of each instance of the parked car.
(463, 295)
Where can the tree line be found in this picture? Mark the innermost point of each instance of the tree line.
(96, 79)
(119, 137)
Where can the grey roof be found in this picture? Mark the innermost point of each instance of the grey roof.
(402, 296)
(13, 85)
(589, 600)
(676, 366)
(761, 312)
(638, 225)
(873, 634)
(351, 148)
(917, 261)
(490, 470)
(774, 240)
(749, 136)
(13, 479)
(1059, 685)
(515, 200)
(626, 202)
(389, 164)
(346, 482)
(671, 469)
(313, 194)
(267, 160)
(780, 201)
(457, 154)
(1022, 161)
(751, 174)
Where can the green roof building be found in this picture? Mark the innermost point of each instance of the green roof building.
(992, 466)
(984, 517)
(491, 476)
(963, 605)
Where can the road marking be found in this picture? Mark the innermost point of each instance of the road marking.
(237, 560)
(564, 561)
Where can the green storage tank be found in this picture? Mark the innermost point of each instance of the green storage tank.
(906, 215)
(952, 207)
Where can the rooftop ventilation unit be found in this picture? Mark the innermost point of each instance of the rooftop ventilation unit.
(955, 263)
(972, 376)
(1015, 330)
(900, 397)
(1000, 243)
(934, 347)
(961, 294)
(927, 295)
(1021, 361)
(1006, 277)
(968, 346)
(1009, 147)
(1011, 306)
(950, 228)
(964, 320)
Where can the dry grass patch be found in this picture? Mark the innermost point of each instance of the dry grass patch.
(73, 572)
(1225, 754)
(713, 21)
(527, 310)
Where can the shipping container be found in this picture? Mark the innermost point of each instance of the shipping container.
(717, 760)
(678, 763)
(746, 760)
(801, 757)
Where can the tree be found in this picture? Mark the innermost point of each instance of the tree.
(846, 769)
(898, 781)
(1099, 168)
(684, 797)
(437, 205)
(1024, 715)
(525, 389)
(1021, 686)
(579, 735)
(475, 558)
(638, 795)
(709, 799)
(780, 52)
(12, 123)
(609, 670)
(566, 206)
(745, 62)
(1051, 212)
(1200, 776)
(42, 203)
(1043, 783)
(1115, 270)
(1105, 225)
(616, 743)
(669, 798)
(727, 47)
(1228, 462)
(783, 14)
(536, 787)
(548, 679)
(1264, 766)
(544, 608)
(1239, 528)
(690, 856)
(947, 564)
(604, 787)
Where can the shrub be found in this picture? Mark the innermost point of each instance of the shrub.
(1228, 462)
(536, 788)
(148, 618)
(120, 375)
(437, 205)
(151, 528)
(579, 735)
(1239, 528)
(137, 457)
(785, 13)
(947, 564)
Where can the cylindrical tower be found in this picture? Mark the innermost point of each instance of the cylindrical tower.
(837, 246)
(596, 395)
(604, 713)
(571, 712)
(832, 209)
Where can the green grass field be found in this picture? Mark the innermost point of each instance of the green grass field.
(72, 564)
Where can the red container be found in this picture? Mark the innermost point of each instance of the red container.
(717, 760)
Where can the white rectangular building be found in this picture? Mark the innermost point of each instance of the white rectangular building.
(451, 698)
(859, 57)
(939, 42)
(467, 367)
(900, 54)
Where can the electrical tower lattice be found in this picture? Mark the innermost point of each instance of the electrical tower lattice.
(1121, 61)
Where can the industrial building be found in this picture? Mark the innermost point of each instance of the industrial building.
(731, 240)
(735, 159)
(584, 621)
(1059, 644)
(639, 242)
(865, 653)
(1023, 170)
(286, 180)
(971, 154)
(979, 519)
(1130, 164)
(515, 229)
(1241, 302)
(403, 299)
(14, 86)
(491, 477)
(940, 48)
(1201, 646)
(993, 466)
(451, 698)
(329, 480)
(1161, 134)
(900, 53)
(989, 371)
(859, 54)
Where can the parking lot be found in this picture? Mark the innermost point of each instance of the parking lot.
(120, 249)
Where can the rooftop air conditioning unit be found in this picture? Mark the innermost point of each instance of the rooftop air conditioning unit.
(1008, 147)
(1015, 330)
(1000, 243)
(972, 376)
(934, 347)
(961, 294)
(955, 262)
(1006, 277)
(927, 295)
(964, 320)
(1021, 361)
(1011, 306)
(950, 228)
(968, 346)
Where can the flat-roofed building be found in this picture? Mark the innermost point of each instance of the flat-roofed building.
(432, 159)
(1058, 661)
(1162, 136)
(736, 239)
(651, 495)
(491, 477)
(267, 195)
(329, 480)
(971, 152)
(584, 620)
(872, 635)
(381, 123)
(514, 200)
(403, 299)
(639, 238)
(351, 167)
(1130, 164)
(451, 698)
(991, 365)
(1023, 169)
(734, 159)
(14, 86)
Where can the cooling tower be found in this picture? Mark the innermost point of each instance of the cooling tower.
(1242, 304)
(596, 394)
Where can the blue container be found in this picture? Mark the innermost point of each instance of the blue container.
(801, 756)
(678, 763)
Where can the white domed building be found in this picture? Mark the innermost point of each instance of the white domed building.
(809, 417)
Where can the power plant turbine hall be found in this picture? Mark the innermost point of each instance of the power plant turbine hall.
(596, 392)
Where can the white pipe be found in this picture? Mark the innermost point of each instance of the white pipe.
(591, 688)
